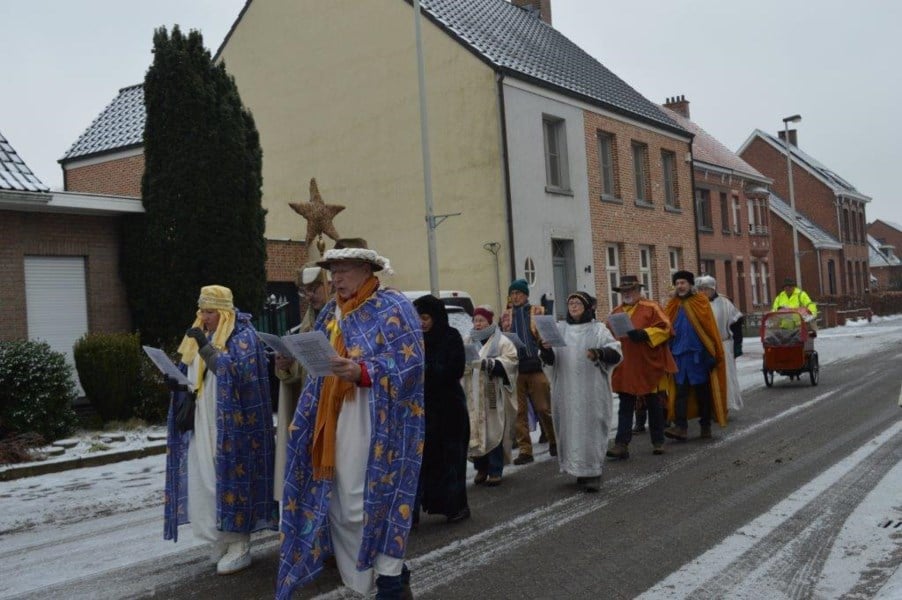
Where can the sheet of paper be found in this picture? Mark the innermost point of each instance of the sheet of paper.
(312, 350)
(275, 342)
(471, 352)
(518, 343)
(548, 330)
(165, 365)
(620, 323)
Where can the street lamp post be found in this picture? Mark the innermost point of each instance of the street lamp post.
(792, 197)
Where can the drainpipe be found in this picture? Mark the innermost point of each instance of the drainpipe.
(505, 157)
(698, 247)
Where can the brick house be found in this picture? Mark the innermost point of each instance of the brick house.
(732, 217)
(826, 200)
(886, 233)
(59, 259)
(813, 241)
(108, 158)
(886, 265)
(515, 111)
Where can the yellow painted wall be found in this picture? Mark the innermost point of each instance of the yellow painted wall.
(333, 89)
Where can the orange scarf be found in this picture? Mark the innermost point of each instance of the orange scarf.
(335, 390)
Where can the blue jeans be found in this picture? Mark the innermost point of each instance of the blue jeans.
(655, 408)
(391, 587)
(491, 463)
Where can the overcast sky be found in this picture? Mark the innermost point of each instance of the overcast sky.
(743, 64)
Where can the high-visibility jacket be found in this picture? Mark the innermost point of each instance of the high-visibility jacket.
(797, 299)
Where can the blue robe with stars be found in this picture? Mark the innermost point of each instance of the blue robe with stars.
(383, 333)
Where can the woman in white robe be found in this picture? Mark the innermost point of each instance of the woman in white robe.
(490, 383)
(729, 324)
(582, 404)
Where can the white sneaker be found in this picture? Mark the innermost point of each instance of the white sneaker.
(237, 557)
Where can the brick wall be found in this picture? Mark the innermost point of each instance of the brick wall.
(118, 177)
(629, 225)
(817, 202)
(42, 234)
(283, 259)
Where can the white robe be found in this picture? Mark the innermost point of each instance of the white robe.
(582, 404)
(725, 313)
(201, 468)
(491, 419)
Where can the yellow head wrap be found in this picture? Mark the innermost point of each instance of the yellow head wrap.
(215, 297)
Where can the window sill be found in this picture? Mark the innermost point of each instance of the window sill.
(703, 229)
(558, 191)
(643, 204)
(726, 231)
(611, 199)
(674, 209)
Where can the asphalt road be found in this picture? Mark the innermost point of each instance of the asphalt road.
(539, 536)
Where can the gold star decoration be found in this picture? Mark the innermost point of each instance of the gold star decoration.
(319, 217)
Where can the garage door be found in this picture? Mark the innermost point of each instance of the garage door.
(57, 302)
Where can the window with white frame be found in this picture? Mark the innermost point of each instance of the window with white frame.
(758, 216)
(645, 271)
(753, 279)
(608, 171)
(612, 268)
(674, 256)
(557, 175)
(765, 291)
(737, 216)
(529, 270)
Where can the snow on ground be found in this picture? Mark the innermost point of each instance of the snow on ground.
(34, 510)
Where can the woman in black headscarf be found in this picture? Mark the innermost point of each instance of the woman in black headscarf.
(443, 476)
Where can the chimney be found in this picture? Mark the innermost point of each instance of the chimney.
(679, 105)
(541, 9)
(793, 139)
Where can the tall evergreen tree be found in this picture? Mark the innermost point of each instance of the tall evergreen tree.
(203, 221)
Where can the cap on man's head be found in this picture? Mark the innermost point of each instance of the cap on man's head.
(706, 281)
(627, 283)
(312, 274)
(789, 281)
(519, 285)
(687, 275)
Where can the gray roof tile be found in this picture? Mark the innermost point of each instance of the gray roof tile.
(120, 125)
(818, 237)
(14, 173)
(515, 41)
(838, 184)
(706, 148)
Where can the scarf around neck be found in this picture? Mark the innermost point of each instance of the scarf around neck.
(335, 391)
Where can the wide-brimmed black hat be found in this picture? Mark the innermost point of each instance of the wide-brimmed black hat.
(628, 282)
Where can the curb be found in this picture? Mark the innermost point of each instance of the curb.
(31, 470)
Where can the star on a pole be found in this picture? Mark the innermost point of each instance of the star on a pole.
(319, 216)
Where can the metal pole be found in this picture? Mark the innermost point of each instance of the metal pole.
(427, 163)
(792, 198)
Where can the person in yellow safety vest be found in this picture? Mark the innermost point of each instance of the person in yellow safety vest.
(795, 297)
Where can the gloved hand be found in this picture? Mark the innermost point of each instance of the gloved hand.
(487, 365)
(607, 355)
(638, 335)
(197, 334)
(174, 385)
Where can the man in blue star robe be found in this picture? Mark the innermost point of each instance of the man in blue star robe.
(383, 335)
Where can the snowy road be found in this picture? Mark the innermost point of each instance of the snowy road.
(96, 533)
